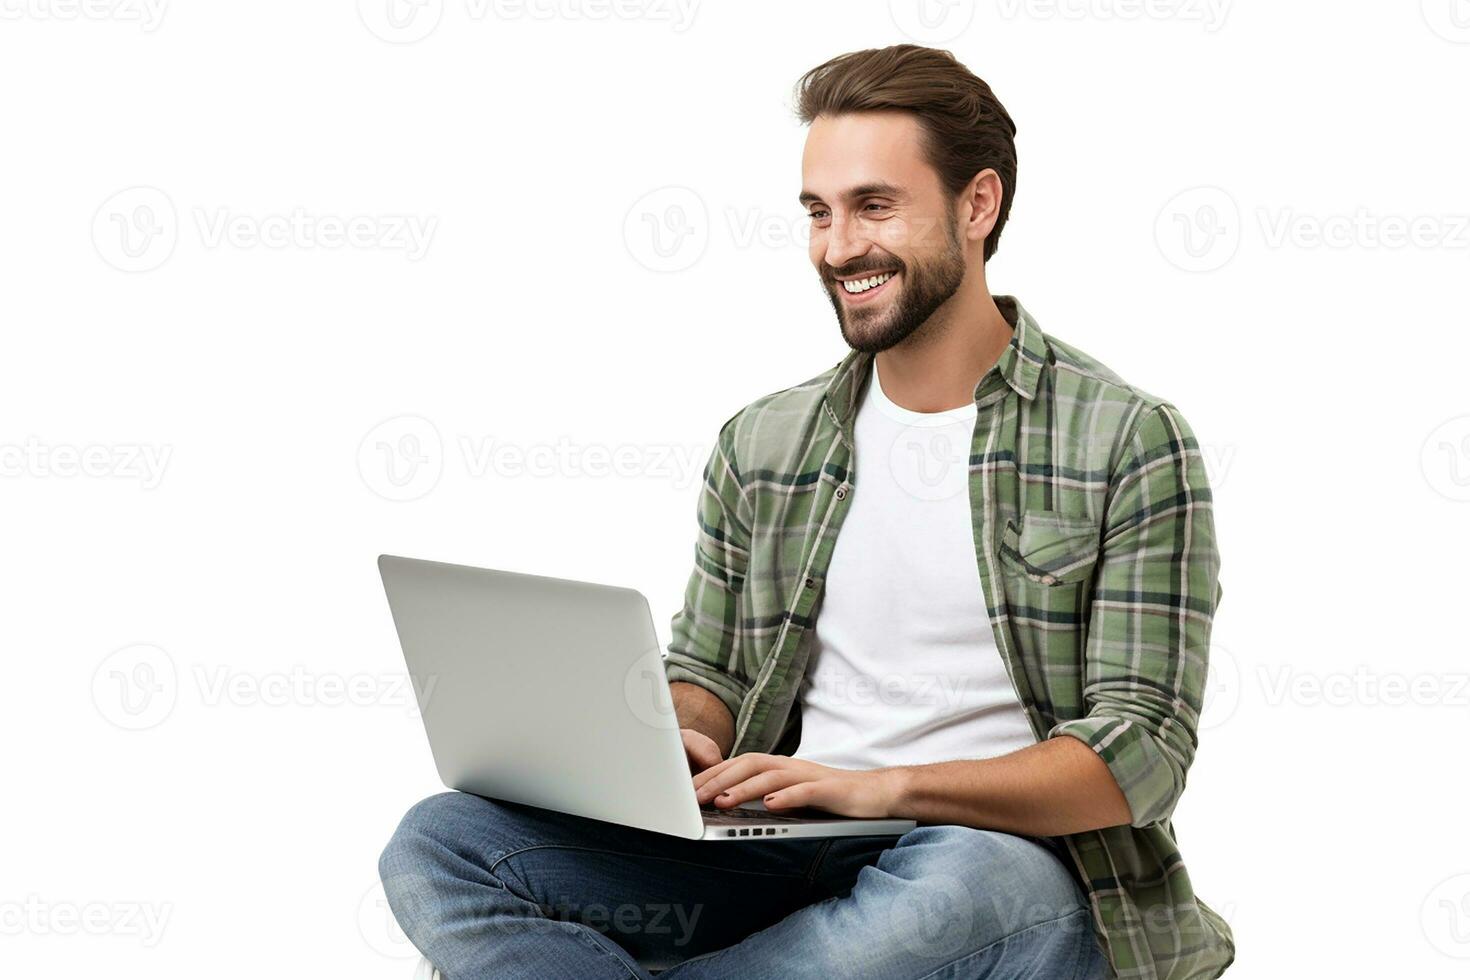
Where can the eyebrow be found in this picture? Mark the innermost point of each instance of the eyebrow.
(876, 189)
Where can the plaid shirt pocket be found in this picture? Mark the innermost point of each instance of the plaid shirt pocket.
(1049, 549)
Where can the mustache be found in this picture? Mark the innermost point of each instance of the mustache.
(857, 269)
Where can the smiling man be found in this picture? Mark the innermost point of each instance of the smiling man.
(964, 577)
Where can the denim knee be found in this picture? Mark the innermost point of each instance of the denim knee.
(409, 864)
(423, 822)
(990, 884)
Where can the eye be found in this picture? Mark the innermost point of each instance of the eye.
(874, 206)
(817, 214)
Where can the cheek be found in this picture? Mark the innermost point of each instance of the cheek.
(899, 236)
(913, 237)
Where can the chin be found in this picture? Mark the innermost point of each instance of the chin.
(866, 325)
(869, 341)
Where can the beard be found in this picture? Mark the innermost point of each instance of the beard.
(924, 287)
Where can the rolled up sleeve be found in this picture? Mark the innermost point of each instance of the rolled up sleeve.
(1154, 599)
(706, 645)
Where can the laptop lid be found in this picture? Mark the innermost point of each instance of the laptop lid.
(543, 691)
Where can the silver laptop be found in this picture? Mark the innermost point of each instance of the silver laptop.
(552, 693)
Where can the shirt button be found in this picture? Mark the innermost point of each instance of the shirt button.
(841, 493)
(1049, 579)
(811, 583)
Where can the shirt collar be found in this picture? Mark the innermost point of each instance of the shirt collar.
(1018, 367)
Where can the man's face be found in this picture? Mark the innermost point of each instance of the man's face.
(884, 236)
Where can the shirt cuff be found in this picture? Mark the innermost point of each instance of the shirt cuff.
(1150, 781)
(730, 691)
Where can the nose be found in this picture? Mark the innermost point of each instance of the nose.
(844, 244)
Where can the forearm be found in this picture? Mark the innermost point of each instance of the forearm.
(700, 710)
(1055, 787)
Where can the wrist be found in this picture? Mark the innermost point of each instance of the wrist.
(897, 792)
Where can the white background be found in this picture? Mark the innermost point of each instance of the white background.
(208, 437)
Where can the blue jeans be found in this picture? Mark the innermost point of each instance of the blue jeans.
(493, 889)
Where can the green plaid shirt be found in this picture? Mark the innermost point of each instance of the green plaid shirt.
(1096, 548)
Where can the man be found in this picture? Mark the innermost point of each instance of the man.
(965, 577)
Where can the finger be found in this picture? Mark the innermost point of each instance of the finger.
(699, 760)
(700, 778)
(740, 770)
(721, 777)
(758, 786)
(702, 751)
(715, 771)
(812, 792)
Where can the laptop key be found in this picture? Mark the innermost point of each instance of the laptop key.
(744, 815)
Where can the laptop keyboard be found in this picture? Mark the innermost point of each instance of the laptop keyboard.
(742, 821)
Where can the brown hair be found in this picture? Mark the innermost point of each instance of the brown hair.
(966, 128)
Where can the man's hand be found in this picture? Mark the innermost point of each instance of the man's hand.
(782, 783)
(701, 750)
(705, 725)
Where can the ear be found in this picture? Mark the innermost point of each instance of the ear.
(983, 196)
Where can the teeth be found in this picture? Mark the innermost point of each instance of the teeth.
(863, 285)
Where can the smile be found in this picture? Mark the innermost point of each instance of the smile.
(855, 286)
(860, 292)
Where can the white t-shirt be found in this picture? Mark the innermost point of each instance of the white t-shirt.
(904, 667)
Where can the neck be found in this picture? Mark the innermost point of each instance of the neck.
(938, 366)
